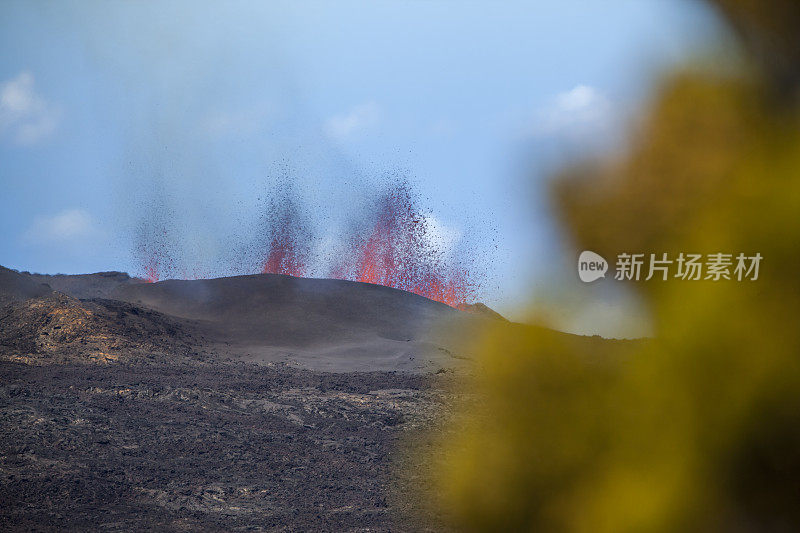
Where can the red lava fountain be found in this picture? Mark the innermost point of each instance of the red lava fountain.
(289, 239)
(401, 251)
(284, 258)
(151, 271)
(396, 246)
(153, 253)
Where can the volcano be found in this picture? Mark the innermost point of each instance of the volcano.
(319, 324)
(251, 402)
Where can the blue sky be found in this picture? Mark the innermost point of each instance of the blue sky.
(108, 109)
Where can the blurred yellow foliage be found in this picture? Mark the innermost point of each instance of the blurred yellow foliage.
(698, 429)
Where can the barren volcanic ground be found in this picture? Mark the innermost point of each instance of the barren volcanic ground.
(216, 447)
(262, 403)
(257, 402)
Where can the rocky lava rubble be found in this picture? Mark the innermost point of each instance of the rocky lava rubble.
(210, 447)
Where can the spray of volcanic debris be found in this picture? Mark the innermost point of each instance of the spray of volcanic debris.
(389, 240)
(405, 249)
(155, 247)
(288, 237)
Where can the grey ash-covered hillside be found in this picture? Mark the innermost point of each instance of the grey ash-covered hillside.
(315, 323)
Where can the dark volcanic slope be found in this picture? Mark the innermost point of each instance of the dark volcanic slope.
(97, 285)
(15, 286)
(289, 309)
(60, 328)
(323, 324)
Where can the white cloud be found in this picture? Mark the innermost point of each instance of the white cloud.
(357, 119)
(580, 98)
(25, 117)
(580, 112)
(67, 227)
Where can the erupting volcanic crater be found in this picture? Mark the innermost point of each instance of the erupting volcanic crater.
(394, 244)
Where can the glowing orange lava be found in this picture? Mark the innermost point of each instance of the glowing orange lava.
(284, 258)
(151, 272)
(391, 244)
(400, 253)
(286, 228)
